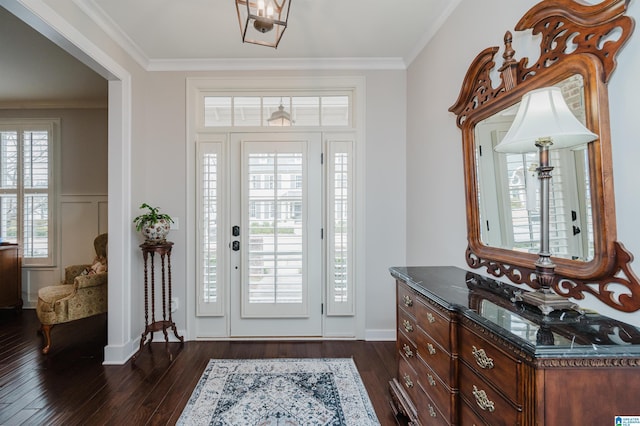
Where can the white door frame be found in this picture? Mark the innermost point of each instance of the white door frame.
(213, 328)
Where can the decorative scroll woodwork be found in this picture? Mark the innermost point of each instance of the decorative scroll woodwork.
(568, 29)
(575, 39)
(623, 276)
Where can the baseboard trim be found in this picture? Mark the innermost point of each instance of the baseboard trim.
(380, 335)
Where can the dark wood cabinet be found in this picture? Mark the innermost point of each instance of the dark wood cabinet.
(469, 354)
(10, 276)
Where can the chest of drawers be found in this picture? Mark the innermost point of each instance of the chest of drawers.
(425, 344)
(10, 277)
(468, 355)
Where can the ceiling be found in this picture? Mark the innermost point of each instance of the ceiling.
(37, 73)
(205, 34)
(183, 30)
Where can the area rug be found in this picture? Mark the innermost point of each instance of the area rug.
(283, 392)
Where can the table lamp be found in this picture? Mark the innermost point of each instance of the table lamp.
(545, 121)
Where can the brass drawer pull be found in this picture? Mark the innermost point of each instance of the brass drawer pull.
(432, 350)
(431, 380)
(431, 318)
(482, 359)
(407, 381)
(432, 411)
(482, 400)
(407, 351)
(407, 301)
(407, 326)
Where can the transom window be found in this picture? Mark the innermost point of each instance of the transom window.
(255, 111)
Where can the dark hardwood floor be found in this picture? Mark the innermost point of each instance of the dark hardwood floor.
(70, 386)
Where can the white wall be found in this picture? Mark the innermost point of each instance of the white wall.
(83, 146)
(163, 174)
(435, 188)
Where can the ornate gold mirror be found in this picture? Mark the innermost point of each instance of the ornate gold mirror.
(578, 47)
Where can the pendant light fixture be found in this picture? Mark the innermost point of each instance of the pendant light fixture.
(263, 21)
(280, 117)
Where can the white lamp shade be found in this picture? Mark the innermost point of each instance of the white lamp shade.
(543, 113)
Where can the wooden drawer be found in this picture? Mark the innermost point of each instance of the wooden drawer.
(435, 357)
(407, 324)
(407, 348)
(468, 417)
(408, 379)
(491, 406)
(406, 298)
(434, 323)
(433, 386)
(429, 412)
(491, 363)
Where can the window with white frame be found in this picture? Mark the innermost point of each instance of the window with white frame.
(210, 269)
(27, 187)
(255, 111)
(340, 226)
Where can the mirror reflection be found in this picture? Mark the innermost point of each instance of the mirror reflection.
(509, 188)
(520, 326)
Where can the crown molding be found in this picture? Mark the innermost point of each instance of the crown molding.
(428, 35)
(264, 64)
(113, 30)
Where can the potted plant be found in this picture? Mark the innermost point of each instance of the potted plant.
(153, 225)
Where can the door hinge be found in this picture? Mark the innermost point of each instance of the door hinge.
(322, 309)
(322, 158)
(322, 233)
(480, 150)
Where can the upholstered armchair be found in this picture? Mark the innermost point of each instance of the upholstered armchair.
(82, 294)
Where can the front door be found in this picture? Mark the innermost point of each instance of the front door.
(276, 226)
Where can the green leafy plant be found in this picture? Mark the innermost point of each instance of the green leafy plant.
(151, 217)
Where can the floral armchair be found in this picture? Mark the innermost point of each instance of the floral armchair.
(82, 294)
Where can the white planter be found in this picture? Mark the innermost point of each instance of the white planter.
(156, 233)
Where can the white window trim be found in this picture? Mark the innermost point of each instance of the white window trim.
(337, 143)
(53, 126)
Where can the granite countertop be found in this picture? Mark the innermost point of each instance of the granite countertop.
(493, 304)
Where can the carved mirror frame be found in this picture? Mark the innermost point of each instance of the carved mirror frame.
(575, 39)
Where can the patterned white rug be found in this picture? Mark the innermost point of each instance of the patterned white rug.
(283, 392)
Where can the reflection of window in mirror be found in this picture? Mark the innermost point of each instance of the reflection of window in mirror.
(509, 189)
(508, 320)
(521, 327)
